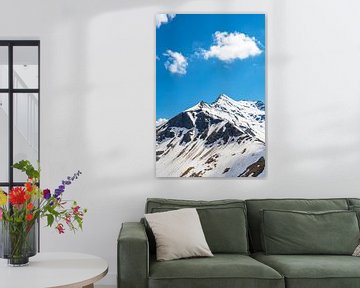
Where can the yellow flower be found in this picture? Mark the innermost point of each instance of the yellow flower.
(3, 198)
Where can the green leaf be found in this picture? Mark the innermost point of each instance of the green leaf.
(22, 164)
(28, 168)
(52, 211)
(50, 219)
(79, 221)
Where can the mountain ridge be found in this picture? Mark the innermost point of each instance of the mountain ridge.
(225, 135)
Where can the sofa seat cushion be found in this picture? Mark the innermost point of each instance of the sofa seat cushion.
(313, 271)
(222, 270)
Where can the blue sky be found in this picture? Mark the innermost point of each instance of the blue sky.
(199, 56)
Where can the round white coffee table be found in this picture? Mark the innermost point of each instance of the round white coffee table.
(60, 270)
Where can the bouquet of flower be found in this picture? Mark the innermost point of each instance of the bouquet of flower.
(22, 206)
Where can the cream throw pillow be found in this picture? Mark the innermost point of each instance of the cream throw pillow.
(357, 251)
(178, 234)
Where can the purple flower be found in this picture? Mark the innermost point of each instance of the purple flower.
(58, 192)
(64, 183)
(46, 194)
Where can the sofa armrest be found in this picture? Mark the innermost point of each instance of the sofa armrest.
(133, 256)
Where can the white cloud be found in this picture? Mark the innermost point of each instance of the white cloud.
(232, 46)
(163, 19)
(160, 121)
(176, 62)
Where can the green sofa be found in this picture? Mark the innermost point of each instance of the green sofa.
(233, 231)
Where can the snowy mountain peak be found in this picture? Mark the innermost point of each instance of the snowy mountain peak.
(222, 97)
(200, 105)
(224, 101)
(198, 139)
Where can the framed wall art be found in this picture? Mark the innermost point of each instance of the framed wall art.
(210, 95)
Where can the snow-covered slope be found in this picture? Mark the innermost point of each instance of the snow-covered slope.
(223, 139)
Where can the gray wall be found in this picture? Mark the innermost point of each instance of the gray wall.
(98, 105)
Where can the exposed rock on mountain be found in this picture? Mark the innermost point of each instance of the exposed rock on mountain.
(223, 139)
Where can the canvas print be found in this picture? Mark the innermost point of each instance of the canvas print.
(210, 95)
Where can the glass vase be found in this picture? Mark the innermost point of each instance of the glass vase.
(18, 242)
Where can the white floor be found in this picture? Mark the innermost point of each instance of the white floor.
(104, 286)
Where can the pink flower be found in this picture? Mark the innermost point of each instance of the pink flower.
(68, 219)
(60, 228)
(76, 210)
(1, 212)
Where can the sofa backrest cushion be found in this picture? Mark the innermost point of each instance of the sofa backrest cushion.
(356, 209)
(255, 206)
(298, 232)
(353, 202)
(223, 221)
(354, 205)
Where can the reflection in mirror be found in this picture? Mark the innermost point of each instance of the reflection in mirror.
(26, 130)
(4, 139)
(4, 67)
(26, 74)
